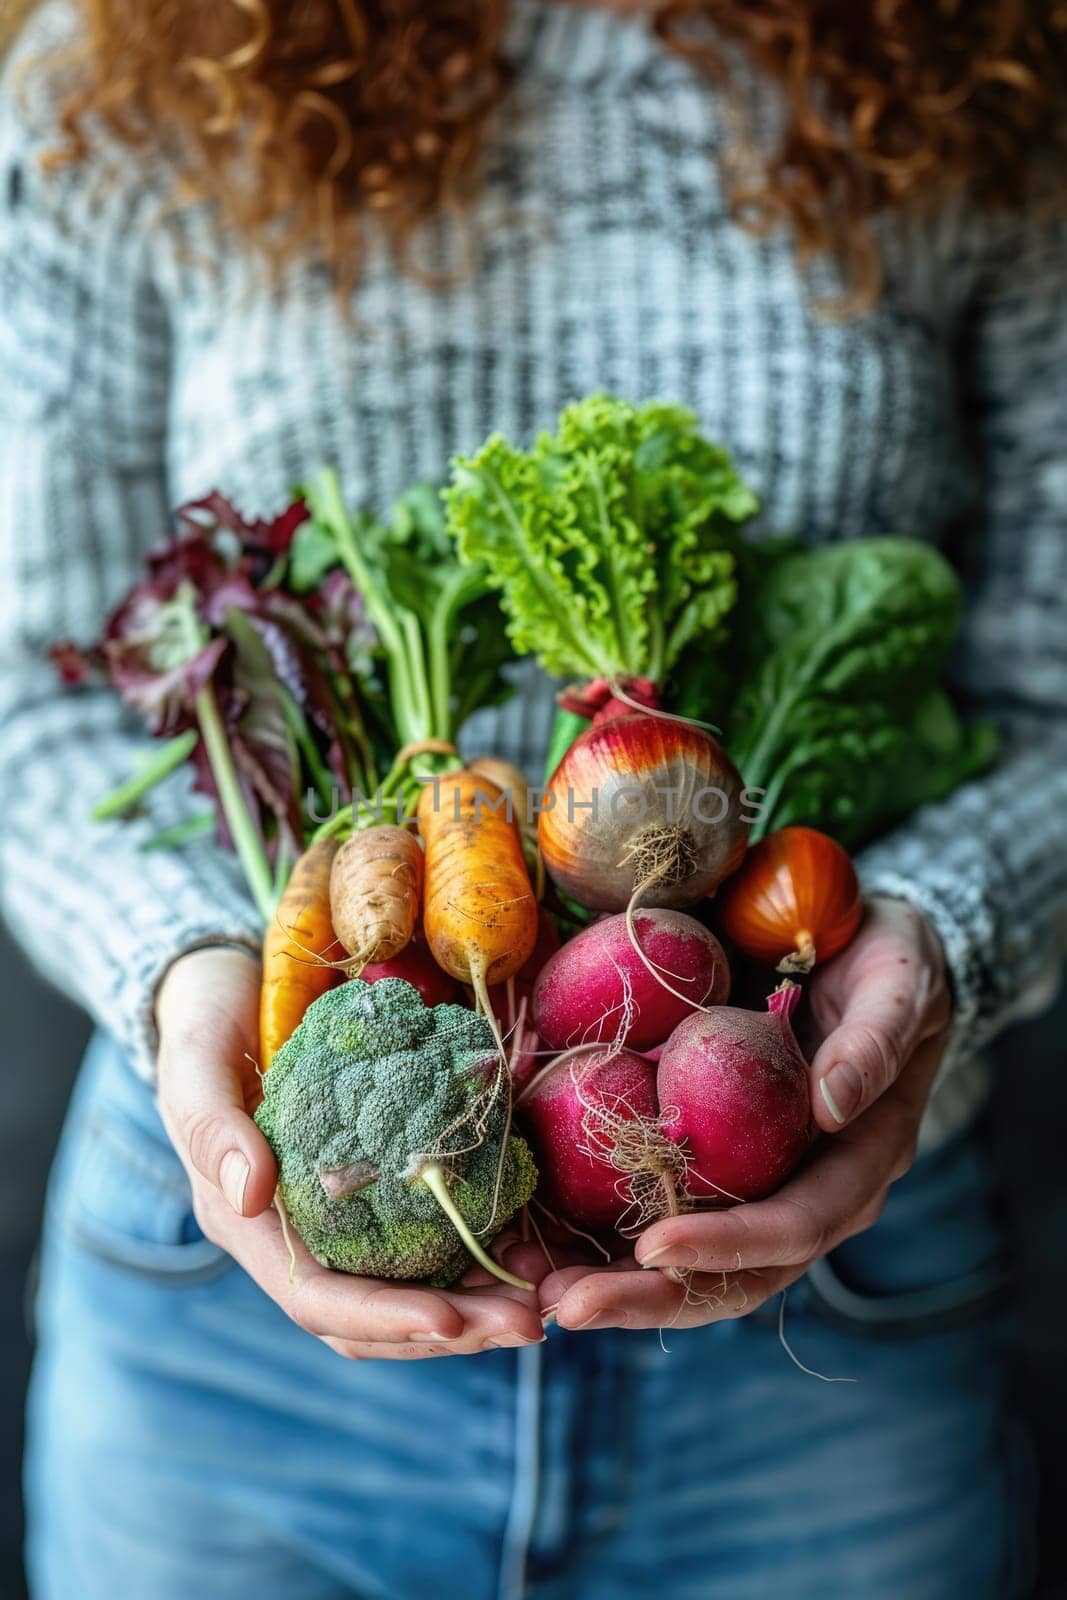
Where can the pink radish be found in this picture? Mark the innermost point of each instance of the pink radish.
(416, 966)
(592, 1120)
(734, 1090)
(598, 989)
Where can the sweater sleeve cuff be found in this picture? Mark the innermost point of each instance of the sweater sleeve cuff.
(135, 1016)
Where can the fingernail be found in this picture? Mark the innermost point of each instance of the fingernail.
(431, 1336)
(548, 1319)
(510, 1341)
(672, 1255)
(608, 1318)
(842, 1091)
(233, 1176)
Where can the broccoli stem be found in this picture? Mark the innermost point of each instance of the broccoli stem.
(432, 1175)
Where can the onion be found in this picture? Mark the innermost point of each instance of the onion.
(795, 902)
(642, 802)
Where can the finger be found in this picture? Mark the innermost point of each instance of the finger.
(420, 1352)
(202, 1104)
(338, 1305)
(836, 1194)
(634, 1299)
(863, 1056)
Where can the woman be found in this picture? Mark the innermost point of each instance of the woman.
(452, 252)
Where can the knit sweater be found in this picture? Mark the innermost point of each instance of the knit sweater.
(146, 359)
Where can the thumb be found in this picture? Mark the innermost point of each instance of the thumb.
(224, 1146)
(207, 1021)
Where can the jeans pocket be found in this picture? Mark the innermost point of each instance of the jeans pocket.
(125, 1199)
(937, 1258)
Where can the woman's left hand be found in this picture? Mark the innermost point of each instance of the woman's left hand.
(882, 1008)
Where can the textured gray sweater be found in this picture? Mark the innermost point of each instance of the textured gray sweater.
(144, 361)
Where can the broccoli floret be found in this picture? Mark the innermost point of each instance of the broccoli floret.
(374, 1102)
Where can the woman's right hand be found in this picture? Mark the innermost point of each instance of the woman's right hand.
(207, 1011)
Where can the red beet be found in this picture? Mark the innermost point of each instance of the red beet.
(592, 1122)
(734, 1091)
(597, 989)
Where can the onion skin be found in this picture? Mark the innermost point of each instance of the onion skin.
(794, 902)
(602, 858)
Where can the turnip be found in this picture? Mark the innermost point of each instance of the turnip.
(734, 1092)
(646, 806)
(605, 987)
(604, 1163)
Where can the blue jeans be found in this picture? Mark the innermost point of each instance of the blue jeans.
(187, 1442)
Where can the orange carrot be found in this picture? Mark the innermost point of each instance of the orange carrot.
(297, 949)
(375, 887)
(480, 915)
(508, 778)
(511, 780)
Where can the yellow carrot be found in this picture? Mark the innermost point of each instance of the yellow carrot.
(298, 946)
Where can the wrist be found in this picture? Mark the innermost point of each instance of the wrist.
(189, 968)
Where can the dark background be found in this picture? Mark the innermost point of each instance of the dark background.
(45, 1036)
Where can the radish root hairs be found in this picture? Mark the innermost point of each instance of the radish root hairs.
(652, 1168)
(476, 1117)
(619, 693)
(579, 1233)
(653, 968)
(791, 1353)
(283, 1218)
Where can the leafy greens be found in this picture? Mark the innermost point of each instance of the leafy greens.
(607, 540)
(830, 690)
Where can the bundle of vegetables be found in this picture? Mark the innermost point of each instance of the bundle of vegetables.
(335, 650)
(290, 662)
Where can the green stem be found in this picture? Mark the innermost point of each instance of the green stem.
(158, 766)
(321, 776)
(565, 729)
(242, 829)
(420, 705)
(432, 1175)
(440, 670)
(379, 609)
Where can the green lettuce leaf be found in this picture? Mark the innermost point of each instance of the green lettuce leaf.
(607, 540)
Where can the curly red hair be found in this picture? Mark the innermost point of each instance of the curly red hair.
(310, 116)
